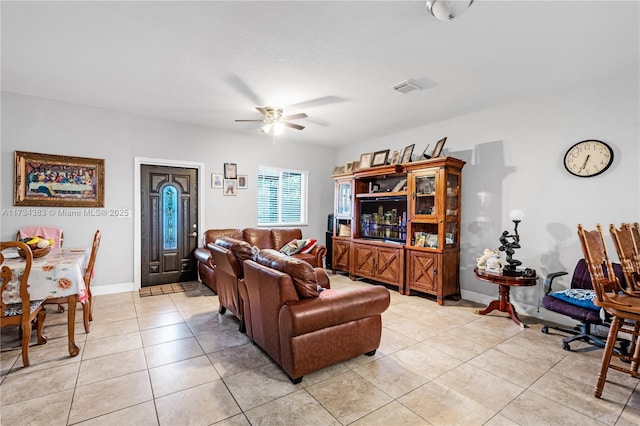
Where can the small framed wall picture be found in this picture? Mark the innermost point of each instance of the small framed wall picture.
(438, 149)
(230, 187)
(365, 161)
(395, 157)
(243, 182)
(230, 170)
(380, 158)
(407, 153)
(216, 180)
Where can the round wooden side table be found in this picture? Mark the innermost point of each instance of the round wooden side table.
(503, 304)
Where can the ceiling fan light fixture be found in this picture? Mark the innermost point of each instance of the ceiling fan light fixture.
(448, 10)
(267, 128)
(278, 126)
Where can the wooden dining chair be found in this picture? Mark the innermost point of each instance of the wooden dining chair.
(628, 254)
(87, 306)
(54, 232)
(21, 314)
(89, 274)
(623, 306)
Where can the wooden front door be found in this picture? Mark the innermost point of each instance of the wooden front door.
(169, 218)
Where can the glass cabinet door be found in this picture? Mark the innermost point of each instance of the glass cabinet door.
(452, 210)
(344, 199)
(453, 194)
(424, 197)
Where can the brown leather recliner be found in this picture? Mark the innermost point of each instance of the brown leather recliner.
(303, 330)
(206, 268)
(228, 254)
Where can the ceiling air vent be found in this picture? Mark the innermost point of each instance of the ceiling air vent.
(407, 87)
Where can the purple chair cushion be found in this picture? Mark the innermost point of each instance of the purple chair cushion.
(576, 312)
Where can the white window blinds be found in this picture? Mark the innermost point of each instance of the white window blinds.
(282, 197)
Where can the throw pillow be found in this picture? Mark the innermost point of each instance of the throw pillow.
(309, 246)
(293, 247)
(577, 296)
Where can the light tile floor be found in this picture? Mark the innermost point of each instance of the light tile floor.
(173, 360)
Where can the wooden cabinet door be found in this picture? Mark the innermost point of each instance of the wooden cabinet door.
(422, 271)
(389, 265)
(341, 250)
(364, 258)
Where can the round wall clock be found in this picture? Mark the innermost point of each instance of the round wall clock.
(588, 158)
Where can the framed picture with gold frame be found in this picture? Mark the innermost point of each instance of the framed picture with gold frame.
(380, 158)
(57, 180)
(365, 160)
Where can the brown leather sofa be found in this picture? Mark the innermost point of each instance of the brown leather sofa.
(303, 330)
(263, 238)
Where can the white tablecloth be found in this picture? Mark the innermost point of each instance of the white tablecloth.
(58, 274)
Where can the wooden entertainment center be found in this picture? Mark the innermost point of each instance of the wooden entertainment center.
(400, 225)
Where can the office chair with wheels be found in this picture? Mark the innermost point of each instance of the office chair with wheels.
(577, 302)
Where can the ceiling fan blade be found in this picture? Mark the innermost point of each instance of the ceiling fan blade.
(262, 111)
(293, 126)
(240, 86)
(295, 116)
(312, 103)
(237, 121)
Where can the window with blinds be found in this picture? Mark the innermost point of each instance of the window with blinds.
(282, 197)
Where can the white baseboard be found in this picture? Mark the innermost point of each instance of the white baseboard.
(112, 288)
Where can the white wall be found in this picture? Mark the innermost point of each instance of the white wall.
(44, 126)
(514, 157)
(514, 160)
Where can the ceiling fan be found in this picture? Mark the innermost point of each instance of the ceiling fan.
(274, 121)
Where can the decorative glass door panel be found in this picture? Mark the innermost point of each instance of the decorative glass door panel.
(344, 199)
(453, 195)
(451, 234)
(424, 197)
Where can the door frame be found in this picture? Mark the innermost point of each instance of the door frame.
(137, 202)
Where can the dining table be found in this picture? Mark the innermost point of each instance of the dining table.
(60, 273)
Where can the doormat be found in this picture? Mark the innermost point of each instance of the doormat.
(166, 289)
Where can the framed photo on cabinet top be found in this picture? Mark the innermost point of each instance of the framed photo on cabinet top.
(424, 153)
(395, 157)
(438, 149)
(406, 154)
(365, 161)
(380, 158)
(349, 167)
